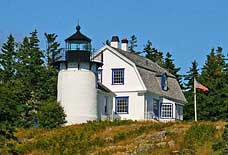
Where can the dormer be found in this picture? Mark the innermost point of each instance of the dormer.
(164, 82)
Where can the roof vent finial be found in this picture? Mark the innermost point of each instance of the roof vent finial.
(78, 26)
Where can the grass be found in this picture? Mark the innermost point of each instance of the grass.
(120, 137)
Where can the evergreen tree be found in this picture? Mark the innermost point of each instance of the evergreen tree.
(52, 51)
(29, 56)
(213, 105)
(30, 62)
(35, 52)
(133, 44)
(7, 60)
(153, 54)
(191, 74)
(30, 70)
(107, 42)
(171, 68)
(189, 78)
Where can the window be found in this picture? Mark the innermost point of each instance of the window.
(167, 111)
(99, 75)
(106, 105)
(156, 108)
(179, 112)
(164, 82)
(122, 104)
(118, 76)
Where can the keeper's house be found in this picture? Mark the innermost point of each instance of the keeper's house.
(143, 89)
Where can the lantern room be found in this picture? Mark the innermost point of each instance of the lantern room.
(78, 47)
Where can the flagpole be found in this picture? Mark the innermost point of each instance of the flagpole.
(195, 99)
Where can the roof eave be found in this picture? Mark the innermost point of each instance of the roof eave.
(168, 97)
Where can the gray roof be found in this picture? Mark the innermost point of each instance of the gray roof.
(103, 88)
(150, 73)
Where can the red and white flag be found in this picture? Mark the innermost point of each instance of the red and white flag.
(200, 86)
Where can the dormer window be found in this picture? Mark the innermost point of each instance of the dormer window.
(164, 82)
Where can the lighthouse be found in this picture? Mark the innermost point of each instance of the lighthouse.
(77, 80)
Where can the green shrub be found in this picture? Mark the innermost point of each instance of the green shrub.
(222, 145)
(199, 133)
(51, 115)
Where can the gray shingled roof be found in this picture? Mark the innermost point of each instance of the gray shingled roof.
(150, 73)
(103, 88)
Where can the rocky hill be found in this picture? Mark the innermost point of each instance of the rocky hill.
(123, 138)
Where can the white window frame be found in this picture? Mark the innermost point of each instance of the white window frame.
(125, 107)
(118, 73)
(166, 108)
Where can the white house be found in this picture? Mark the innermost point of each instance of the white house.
(143, 89)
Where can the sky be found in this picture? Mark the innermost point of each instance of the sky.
(187, 29)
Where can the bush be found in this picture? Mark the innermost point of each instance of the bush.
(199, 133)
(222, 145)
(51, 115)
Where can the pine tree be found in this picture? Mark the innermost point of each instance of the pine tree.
(107, 42)
(171, 68)
(189, 78)
(214, 65)
(29, 56)
(213, 105)
(30, 61)
(191, 74)
(30, 70)
(148, 50)
(7, 60)
(52, 51)
(35, 52)
(133, 45)
(153, 54)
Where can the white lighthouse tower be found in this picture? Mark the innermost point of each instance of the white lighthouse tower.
(77, 91)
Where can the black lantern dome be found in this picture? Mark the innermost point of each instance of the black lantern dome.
(78, 37)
